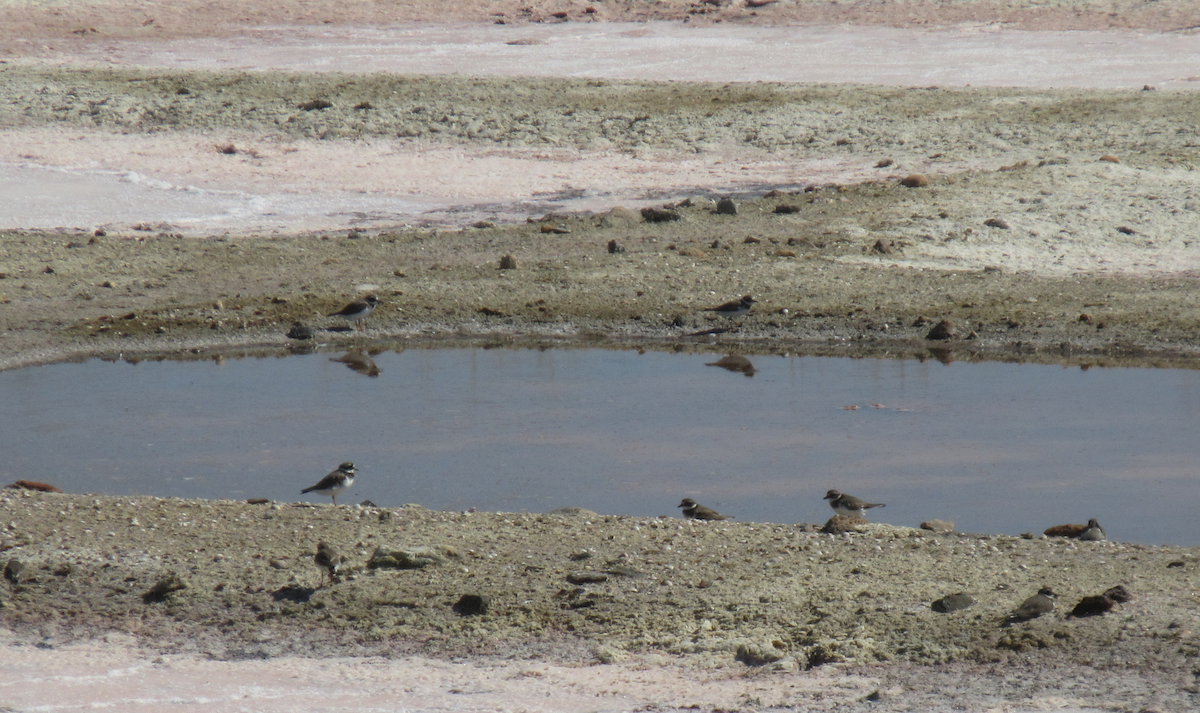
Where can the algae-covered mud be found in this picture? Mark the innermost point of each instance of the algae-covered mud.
(1059, 223)
(232, 580)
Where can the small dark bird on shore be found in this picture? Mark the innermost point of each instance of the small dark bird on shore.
(357, 310)
(328, 560)
(693, 511)
(335, 482)
(1035, 606)
(848, 505)
(733, 308)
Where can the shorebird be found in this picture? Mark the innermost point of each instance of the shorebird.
(733, 308)
(328, 560)
(849, 505)
(1035, 606)
(1094, 532)
(335, 482)
(357, 310)
(693, 511)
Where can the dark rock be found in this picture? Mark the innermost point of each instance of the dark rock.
(786, 208)
(941, 526)
(726, 206)
(1000, 223)
(759, 654)
(472, 605)
(587, 577)
(163, 589)
(840, 525)
(416, 558)
(1093, 606)
(1119, 594)
(953, 603)
(34, 485)
(944, 329)
(916, 180)
(314, 105)
(1065, 530)
(882, 246)
(300, 331)
(659, 215)
(508, 262)
(614, 247)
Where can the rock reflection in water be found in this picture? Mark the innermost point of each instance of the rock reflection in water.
(734, 362)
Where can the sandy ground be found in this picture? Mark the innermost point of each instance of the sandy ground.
(1056, 225)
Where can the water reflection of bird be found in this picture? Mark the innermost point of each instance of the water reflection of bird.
(335, 482)
(359, 362)
(734, 362)
(733, 308)
(693, 511)
(357, 310)
(848, 505)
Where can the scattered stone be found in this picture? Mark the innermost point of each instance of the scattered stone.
(363, 106)
(1092, 606)
(489, 312)
(257, 501)
(751, 240)
(614, 247)
(840, 525)
(916, 180)
(587, 577)
(953, 603)
(13, 570)
(34, 485)
(1118, 594)
(574, 512)
(726, 206)
(939, 526)
(716, 245)
(1125, 229)
(555, 229)
(314, 105)
(1000, 223)
(620, 215)
(227, 149)
(882, 246)
(786, 208)
(884, 163)
(163, 589)
(472, 605)
(300, 331)
(759, 654)
(416, 558)
(483, 224)
(659, 215)
(785, 253)
(1085, 317)
(1110, 158)
(943, 330)
(1175, 564)
(508, 262)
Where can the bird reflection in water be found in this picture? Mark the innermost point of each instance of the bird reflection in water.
(734, 362)
(360, 362)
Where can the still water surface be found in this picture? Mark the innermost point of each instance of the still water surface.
(998, 448)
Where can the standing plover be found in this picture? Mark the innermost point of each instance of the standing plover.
(357, 310)
(335, 482)
(734, 308)
(693, 511)
(328, 560)
(849, 505)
